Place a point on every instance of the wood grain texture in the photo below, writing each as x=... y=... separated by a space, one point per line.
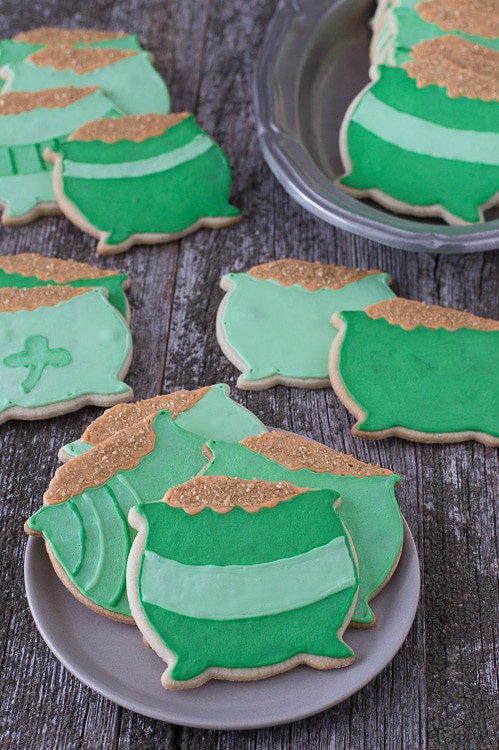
x=439 y=690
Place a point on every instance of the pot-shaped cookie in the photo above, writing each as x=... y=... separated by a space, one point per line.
x=241 y=580
x=142 y=179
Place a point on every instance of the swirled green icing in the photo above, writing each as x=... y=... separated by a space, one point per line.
x=427 y=380
x=177 y=456
x=283 y=533
x=368 y=509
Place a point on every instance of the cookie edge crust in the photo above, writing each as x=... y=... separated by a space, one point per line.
x=398 y=431
x=149 y=238
x=233 y=357
x=222 y=673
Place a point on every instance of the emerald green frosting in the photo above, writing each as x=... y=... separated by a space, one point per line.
x=87 y=327
x=427 y=380
x=132 y=84
x=101 y=513
x=213 y=416
x=431 y=143
x=368 y=510
x=113 y=284
x=161 y=185
x=238 y=538
x=284 y=332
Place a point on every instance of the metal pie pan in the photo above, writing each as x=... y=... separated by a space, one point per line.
x=312 y=64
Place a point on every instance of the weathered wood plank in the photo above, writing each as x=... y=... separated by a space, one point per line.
x=438 y=691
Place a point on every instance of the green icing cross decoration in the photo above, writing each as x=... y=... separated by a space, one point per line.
x=36 y=356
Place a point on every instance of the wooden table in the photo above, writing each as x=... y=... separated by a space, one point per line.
x=439 y=690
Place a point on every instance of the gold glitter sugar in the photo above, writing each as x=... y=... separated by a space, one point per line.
x=80 y=61
x=53 y=36
x=308 y=274
x=409 y=314
x=131 y=128
x=50 y=269
x=122 y=416
x=223 y=493
x=15 y=102
x=12 y=299
x=295 y=453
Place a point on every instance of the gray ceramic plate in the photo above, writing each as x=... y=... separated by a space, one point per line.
x=111 y=658
x=313 y=62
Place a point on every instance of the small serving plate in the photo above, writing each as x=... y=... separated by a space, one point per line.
x=314 y=61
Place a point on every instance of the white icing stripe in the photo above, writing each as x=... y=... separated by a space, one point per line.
x=423 y=137
x=161 y=163
x=212 y=592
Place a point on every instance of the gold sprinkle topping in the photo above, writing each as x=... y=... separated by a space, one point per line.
x=12 y=300
x=223 y=493
x=123 y=416
x=131 y=128
x=409 y=314
x=80 y=61
x=480 y=17
x=295 y=453
x=464 y=69
x=122 y=451
x=50 y=269
x=309 y=274
x=53 y=36
x=16 y=102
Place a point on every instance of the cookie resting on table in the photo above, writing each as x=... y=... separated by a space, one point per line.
x=96 y=490
x=241 y=580
x=127 y=76
x=422 y=372
x=61 y=348
x=208 y=412
x=29 y=121
x=26 y=270
x=24 y=44
x=368 y=508
x=274 y=322
x=163 y=175
x=423 y=139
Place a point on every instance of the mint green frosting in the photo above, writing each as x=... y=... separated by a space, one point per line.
x=98 y=516
x=214 y=416
x=25 y=178
x=368 y=509
x=262 y=590
x=20 y=194
x=285 y=332
x=44 y=124
x=132 y=84
x=86 y=326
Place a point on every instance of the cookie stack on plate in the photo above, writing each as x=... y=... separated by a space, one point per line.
x=65 y=340
x=92 y=103
x=423 y=137
x=238 y=552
